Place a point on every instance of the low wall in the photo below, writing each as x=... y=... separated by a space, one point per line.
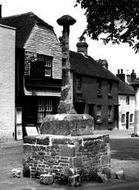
x=85 y=155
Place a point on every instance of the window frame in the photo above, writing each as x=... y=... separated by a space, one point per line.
x=123 y=117
x=131 y=118
x=78 y=84
x=99 y=114
x=99 y=87
x=44 y=107
x=110 y=113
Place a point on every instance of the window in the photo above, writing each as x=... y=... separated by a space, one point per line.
x=48 y=66
x=131 y=117
x=99 y=87
x=127 y=100
x=42 y=67
x=99 y=114
x=109 y=88
x=109 y=113
x=78 y=84
x=44 y=107
x=123 y=118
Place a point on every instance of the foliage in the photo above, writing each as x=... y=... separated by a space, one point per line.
x=117 y=20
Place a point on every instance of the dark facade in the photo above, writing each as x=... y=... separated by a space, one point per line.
x=95 y=91
x=38 y=68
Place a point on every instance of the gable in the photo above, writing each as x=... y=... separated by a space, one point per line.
x=43 y=40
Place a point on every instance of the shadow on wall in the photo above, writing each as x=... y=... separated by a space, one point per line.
x=125 y=149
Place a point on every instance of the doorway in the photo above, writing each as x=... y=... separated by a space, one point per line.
x=127 y=120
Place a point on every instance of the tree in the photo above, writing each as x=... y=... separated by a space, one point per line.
x=117 y=20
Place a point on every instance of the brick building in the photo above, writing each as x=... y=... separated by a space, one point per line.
x=126 y=100
x=7 y=81
x=95 y=88
x=38 y=69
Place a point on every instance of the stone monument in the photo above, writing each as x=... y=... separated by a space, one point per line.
x=67 y=143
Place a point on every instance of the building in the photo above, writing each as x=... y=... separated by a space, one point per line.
x=38 y=69
x=7 y=81
x=95 y=89
x=126 y=100
x=135 y=85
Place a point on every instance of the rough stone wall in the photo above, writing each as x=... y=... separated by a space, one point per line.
x=85 y=155
x=44 y=41
x=7 y=81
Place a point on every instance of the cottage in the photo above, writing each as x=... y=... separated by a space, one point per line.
x=95 y=89
x=38 y=69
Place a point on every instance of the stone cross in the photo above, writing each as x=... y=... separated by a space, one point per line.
x=66 y=101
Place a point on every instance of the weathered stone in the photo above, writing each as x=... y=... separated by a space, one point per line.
x=46 y=179
x=79 y=153
x=17 y=172
x=30 y=139
x=68 y=124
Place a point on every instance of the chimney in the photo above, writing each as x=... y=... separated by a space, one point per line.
x=121 y=75
x=0 y=11
x=133 y=76
x=103 y=63
x=82 y=46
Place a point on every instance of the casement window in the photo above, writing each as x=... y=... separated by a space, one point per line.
x=48 y=66
x=109 y=88
x=44 y=107
x=131 y=118
x=42 y=67
x=99 y=87
x=78 y=84
x=109 y=113
x=127 y=100
x=123 y=118
x=99 y=114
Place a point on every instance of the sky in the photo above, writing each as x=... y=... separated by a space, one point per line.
x=118 y=56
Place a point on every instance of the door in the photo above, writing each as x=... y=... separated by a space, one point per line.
x=127 y=120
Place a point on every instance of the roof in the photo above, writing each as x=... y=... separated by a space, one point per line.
x=86 y=65
x=125 y=89
x=23 y=24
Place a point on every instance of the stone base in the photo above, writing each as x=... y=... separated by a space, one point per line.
x=85 y=155
x=68 y=124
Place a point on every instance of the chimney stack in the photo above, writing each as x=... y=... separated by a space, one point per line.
x=133 y=76
x=0 y=11
x=82 y=46
x=121 y=75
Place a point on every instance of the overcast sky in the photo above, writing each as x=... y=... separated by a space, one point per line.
x=118 y=56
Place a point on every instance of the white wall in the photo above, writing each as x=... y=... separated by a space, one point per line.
x=7 y=82
x=124 y=107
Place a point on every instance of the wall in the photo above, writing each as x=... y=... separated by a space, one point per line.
x=44 y=41
x=84 y=155
x=89 y=94
x=7 y=81
x=124 y=108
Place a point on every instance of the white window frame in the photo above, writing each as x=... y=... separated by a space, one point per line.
x=44 y=107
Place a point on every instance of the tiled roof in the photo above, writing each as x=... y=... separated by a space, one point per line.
x=125 y=89
x=23 y=24
x=86 y=65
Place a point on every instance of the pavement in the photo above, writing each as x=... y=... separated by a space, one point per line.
x=124 y=154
